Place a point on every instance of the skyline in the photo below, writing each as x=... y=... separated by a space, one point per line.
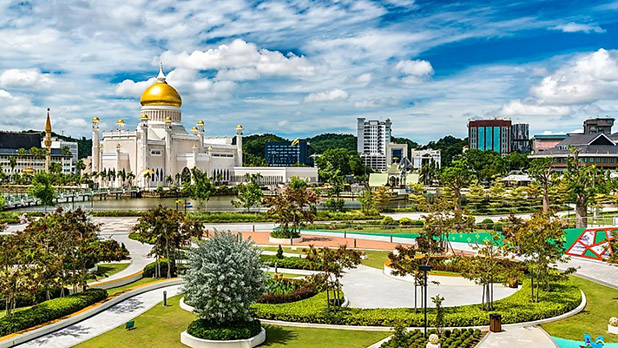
x=305 y=67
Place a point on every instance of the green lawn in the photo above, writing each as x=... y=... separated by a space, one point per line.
x=602 y=304
x=161 y=327
x=376 y=258
x=106 y=270
x=286 y=275
x=113 y=291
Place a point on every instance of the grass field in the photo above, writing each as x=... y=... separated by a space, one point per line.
x=113 y=291
x=602 y=304
x=107 y=269
x=161 y=327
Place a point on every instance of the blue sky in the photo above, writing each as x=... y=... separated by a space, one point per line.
x=299 y=68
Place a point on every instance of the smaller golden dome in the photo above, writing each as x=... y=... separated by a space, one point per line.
x=144 y=117
x=118 y=145
x=168 y=119
x=120 y=121
x=194 y=129
x=200 y=123
x=239 y=127
x=95 y=120
x=195 y=146
x=388 y=119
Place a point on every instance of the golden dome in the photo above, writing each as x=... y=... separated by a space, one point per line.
x=194 y=129
x=144 y=117
x=160 y=93
x=120 y=121
x=168 y=119
x=239 y=127
x=200 y=123
x=95 y=119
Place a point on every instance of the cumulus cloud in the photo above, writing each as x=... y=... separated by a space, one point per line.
x=531 y=107
x=24 y=78
x=244 y=60
x=375 y=103
x=131 y=88
x=414 y=71
x=578 y=27
x=585 y=79
x=364 y=78
x=325 y=96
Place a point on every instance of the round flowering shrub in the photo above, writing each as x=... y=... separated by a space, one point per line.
x=613 y=321
x=223 y=279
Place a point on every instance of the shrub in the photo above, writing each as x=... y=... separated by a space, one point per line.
x=224 y=277
x=290 y=262
x=138 y=237
x=210 y=330
x=405 y=221
x=296 y=295
x=418 y=223
x=279 y=233
x=279 y=252
x=49 y=310
x=387 y=221
x=149 y=269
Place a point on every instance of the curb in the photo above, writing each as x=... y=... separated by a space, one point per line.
x=60 y=323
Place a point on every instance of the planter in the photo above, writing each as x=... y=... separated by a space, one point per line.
x=284 y=241
x=185 y=306
x=195 y=342
x=612 y=329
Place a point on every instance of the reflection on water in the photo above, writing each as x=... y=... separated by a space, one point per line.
x=216 y=203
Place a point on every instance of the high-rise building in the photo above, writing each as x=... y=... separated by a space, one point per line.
x=492 y=135
x=374 y=138
x=520 y=138
x=283 y=154
x=598 y=125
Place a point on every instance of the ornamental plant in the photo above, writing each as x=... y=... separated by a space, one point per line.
x=224 y=277
x=613 y=321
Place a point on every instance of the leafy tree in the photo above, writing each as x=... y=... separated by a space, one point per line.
x=201 y=188
x=12 y=164
x=169 y=231
x=540 y=243
x=323 y=142
x=450 y=148
x=497 y=193
x=335 y=162
x=55 y=168
x=366 y=201
x=224 y=278
x=485 y=165
x=455 y=178
x=516 y=161
x=476 y=195
x=249 y=194
x=428 y=174
x=80 y=166
x=584 y=183
x=540 y=170
x=42 y=188
x=292 y=209
x=382 y=196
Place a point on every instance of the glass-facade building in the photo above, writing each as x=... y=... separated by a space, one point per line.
x=283 y=154
x=494 y=135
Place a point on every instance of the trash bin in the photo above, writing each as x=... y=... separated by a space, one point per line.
x=495 y=322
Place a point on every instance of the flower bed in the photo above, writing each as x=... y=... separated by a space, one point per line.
x=513 y=309
x=49 y=310
x=208 y=330
x=466 y=338
x=281 y=290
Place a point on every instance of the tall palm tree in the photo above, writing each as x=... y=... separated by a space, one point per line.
x=130 y=177
x=169 y=180
x=12 y=164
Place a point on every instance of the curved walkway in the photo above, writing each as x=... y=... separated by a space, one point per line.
x=368 y=287
x=102 y=322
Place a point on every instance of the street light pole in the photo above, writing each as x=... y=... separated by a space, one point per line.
x=425 y=269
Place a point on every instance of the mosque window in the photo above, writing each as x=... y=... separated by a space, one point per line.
x=155 y=152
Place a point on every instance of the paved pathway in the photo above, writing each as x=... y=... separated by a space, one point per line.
x=596 y=271
x=368 y=287
x=519 y=337
x=102 y=322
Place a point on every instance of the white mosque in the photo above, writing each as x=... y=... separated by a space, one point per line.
x=161 y=147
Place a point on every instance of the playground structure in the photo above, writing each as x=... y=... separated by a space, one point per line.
x=592 y=243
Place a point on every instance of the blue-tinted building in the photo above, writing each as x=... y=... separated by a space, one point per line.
x=283 y=154
x=492 y=135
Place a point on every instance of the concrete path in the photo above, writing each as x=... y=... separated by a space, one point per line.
x=102 y=322
x=367 y=287
x=597 y=271
x=520 y=337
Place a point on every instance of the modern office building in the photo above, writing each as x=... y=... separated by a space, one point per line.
x=396 y=152
x=520 y=138
x=492 y=135
x=598 y=125
x=544 y=142
x=374 y=144
x=425 y=157
x=284 y=154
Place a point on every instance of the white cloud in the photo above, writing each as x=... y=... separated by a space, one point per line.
x=578 y=27
x=364 y=78
x=332 y=95
x=375 y=103
x=415 y=67
x=246 y=61
x=530 y=107
x=24 y=78
x=131 y=88
x=548 y=132
x=585 y=79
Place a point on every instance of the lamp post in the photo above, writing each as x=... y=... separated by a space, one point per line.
x=425 y=269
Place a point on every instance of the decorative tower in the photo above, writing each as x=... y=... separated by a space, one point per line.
x=48 y=142
x=170 y=157
x=200 y=133
x=239 y=146
x=96 y=159
x=142 y=163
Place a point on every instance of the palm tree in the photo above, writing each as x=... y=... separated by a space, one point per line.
x=123 y=176
x=169 y=180
x=178 y=176
x=79 y=165
x=130 y=177
x=12 y=164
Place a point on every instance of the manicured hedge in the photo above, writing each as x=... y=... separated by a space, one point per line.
x=290 y=262
x=296 y=295
x=207 y=330
x=514 y=309
x=466 y=338
x=138 y=237
x=50 y=310
x=149 y=269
